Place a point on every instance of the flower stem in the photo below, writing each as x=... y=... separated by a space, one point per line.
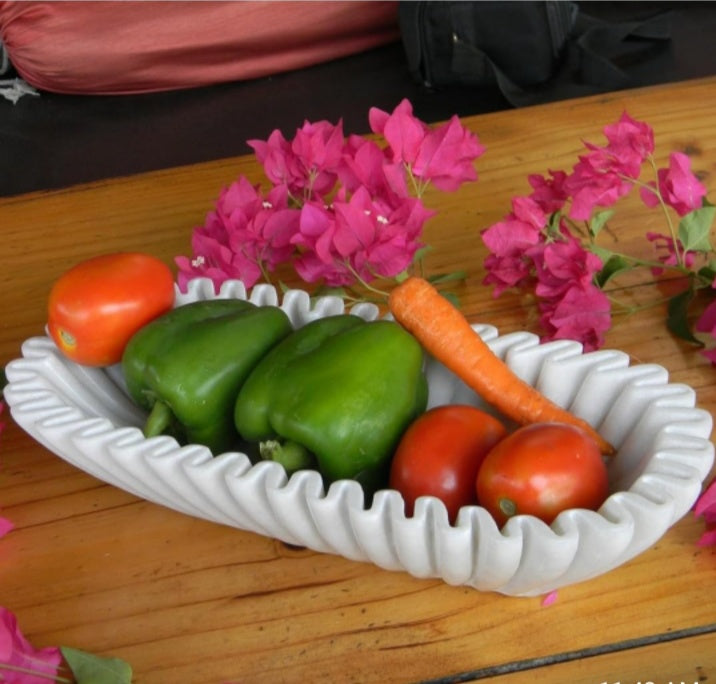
x=629 y=310
x=35 y=673
x=650 y=263
x=672 y=231
x=264 y=273
x=418 y=187
x=381 y=293
x=655 y=190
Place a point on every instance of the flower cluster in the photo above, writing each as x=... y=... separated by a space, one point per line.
x=22 y=663
x=19 y=660
x=540 y=245
x=341 y=210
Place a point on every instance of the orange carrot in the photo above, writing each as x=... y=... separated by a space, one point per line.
x=446 y=334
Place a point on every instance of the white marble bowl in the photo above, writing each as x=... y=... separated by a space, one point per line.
x=664 y=454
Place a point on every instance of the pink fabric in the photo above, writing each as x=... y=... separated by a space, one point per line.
x=145 y=46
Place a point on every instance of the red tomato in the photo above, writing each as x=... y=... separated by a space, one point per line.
x=96 y=306
x=541 y=470
x=440 y=454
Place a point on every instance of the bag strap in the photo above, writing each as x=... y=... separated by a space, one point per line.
x=588 y=63
x=599 y=43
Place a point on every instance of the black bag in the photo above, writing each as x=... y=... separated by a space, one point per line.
x=533 y=51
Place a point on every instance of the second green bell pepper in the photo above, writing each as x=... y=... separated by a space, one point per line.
x=340 y=389
x=187 y=366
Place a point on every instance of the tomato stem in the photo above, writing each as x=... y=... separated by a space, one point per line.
x=508 y=506
x=68 y=339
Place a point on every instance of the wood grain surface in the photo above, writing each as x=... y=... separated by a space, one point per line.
x=184 y=600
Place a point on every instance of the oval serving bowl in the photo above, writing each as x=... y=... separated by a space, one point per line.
x=664 y=453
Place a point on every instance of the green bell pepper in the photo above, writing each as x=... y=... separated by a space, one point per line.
x=339 y=390
x=187 y=366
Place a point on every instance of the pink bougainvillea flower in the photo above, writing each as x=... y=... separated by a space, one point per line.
x=562 y=273
x=306 y=165
x=507 y=271
x=518 y=231
x=707 y=324
x=666 y=249
x=604 y=174
x=365 y=164
x=509 y=241
x=319 y=150
x=243 y=235
x=508 y=264
x=571 y=306
x=403 y=131
x=549 y=598
x=280 y=163
x=594 y=183
x=358 y=236
x=563 y=264
x=319 y=145
x=510 y=237
x=205 y=265
x=527 y=210
x=358 y=223
x=398 y=231
x=630 y=143
x=317 y=225
x=261 y=232
x=446 y=157
x=706 y=507
x=583 y=313
x=678 y=186
x=18 y=653
x=549 y=193
x=341 y=209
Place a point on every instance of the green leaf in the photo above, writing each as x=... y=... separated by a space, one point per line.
x=708 y=272
x=420 y=253
x=614 y=264
x=325 y=291
x=553 y=224
x=447 y=277
x=695 y=227
x=599 y=220
x=602 y=252
x=91 y=669
x=452 y=298
x=677 y=320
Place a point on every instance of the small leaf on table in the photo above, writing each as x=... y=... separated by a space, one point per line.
x=88 y=668
x=678 y=320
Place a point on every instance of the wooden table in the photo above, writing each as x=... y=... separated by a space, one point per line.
x=183 y=600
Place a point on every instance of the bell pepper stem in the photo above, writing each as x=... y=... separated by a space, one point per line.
x=291 y=455
x=159 y=420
